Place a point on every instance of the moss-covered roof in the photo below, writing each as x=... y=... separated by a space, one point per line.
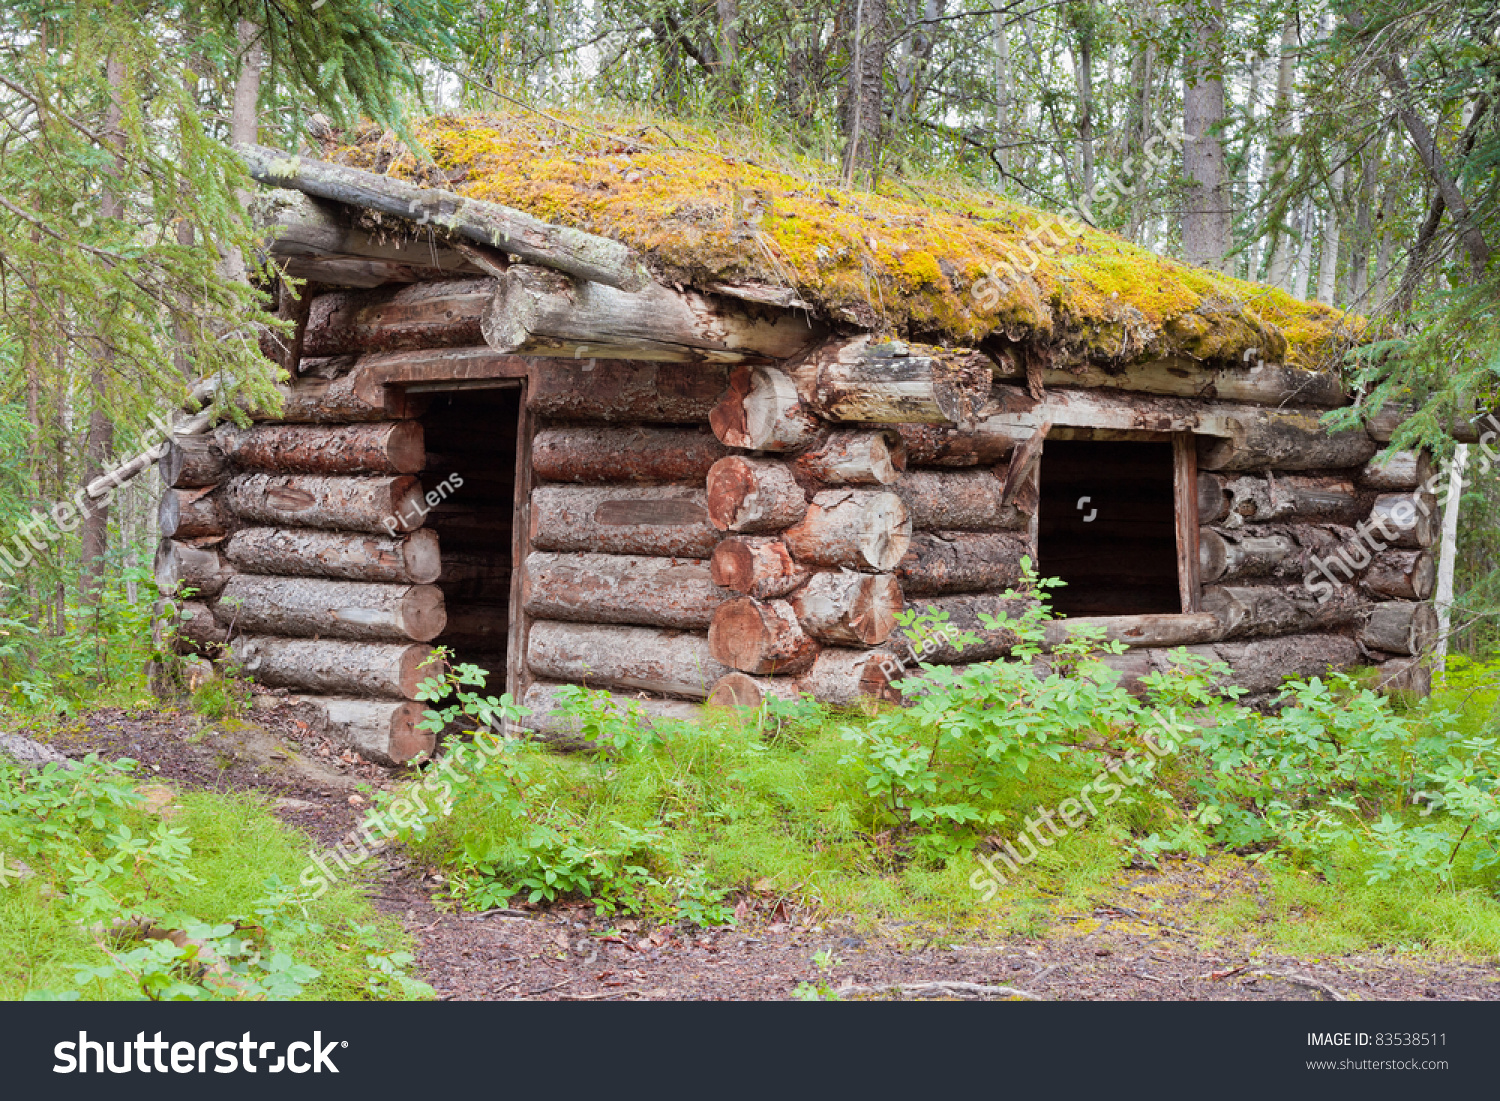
x=709 y=208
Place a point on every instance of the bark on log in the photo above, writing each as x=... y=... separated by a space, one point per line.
x=619 y=588
x=743 y=690
x=1275 y=439
x=845 y=677
x=324 y=667
x=534 y=311
x=1401 y=627
x=852 y=459
x=613 y=390
x=871 y=381
x=1406 y=675
x=359 y=394
x=1245 y=555
x=387 y=505
x=939 y=445
x=753 y=495
x=1248 y=611
x=1403 y=519
x=300 y=607
x=438 y=314
x=1213 y=501
x=851 y=609
x=548 y=721
x=339 y=555
x=1258 y=666
x=762 y=411
x=1262 y=384
x=756 y=636
x=1291 y=497
x=958 y=500
x=392 y=448
x=192 y=513
x=1193 y=629
x=193 y=461
x=859 y=529
x=601 y=456
x=384 y=731
x=1400 y=470
x=196 y=625
x=668 y=520
x=959 y=562
x=201 y=568
x=757 y=566
x=673 y=663
x=1401 y=575
x=963 y=611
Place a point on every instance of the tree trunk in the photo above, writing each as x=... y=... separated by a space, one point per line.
x=383 y=731
x=1261 y=610
x=442 y=313
x=1401 y=627
x=193 y=461
x=853 y=528
x=850 y=609
x=394 y=448
x=201 y=568
x=589 y=455
x=617 y=588
x=192 y=513
x=969 y=500
x=853 y=459
x=388 y=505
x=761 y=411
x=389 y=670
x=756 y=636
x=865 y=88
x=1448 y=556
x=611 y=390
x=757 y=566
x=958 y=562
x=753 y=495
x=656 y=520
x=295 y=552
x=673 y=663
x=1207 y=218
x=1328 y=257
x=1284 y=127
x=887 y=382
x=300 y=607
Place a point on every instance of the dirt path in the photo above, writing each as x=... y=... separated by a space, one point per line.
x=565 y=952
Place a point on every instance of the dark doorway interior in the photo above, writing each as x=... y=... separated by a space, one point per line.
x=1123 y=561
x=471 y=449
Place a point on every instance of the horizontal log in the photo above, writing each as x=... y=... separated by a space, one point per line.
x=873 y=381
x=941 y=562
x=964 y=612
x=536 y=311
x=1383 y=424
x=944 y=445
x=1189 y=629
x=195 y=625
x=1401 y=627
x=390 y=448
x=384 y=731
x=673 y=663
x=758 y=566
x=762 y=411
x=843 y=678
x=1242 y=554
x=386 y=505
x=193 y=461
x=1401 y=575
x=593 y=455
x=1258 y=666
x=1213 y=500
x=858 y=458
x=1399 y=470
x=1278 y=439
x=760 y=636
x=753 y=495
x=958 y=500
x=202 y=569
x=328 y=667
x=742 y=690
x=614 y=390
x=1289 y=497
x=668 y=520
x=621 y=588
x=1407 y=676
x=359 y=394
x=857 y=529
x=1248 y=611
x=304 y=607
x=1261 y=384
x=548 y=719
x=292 y=552
x=436 y=314
x=1405 y=519
x=850 y=609
x=192 y=513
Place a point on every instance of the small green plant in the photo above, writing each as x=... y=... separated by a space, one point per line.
x=821 y=989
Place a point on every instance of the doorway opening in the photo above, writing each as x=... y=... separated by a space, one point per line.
x=1107 y=526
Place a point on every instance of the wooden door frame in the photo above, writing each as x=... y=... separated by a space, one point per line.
x=517 y=677
x=1185 y=511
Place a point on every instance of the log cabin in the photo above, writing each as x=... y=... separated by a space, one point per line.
x=584 y=404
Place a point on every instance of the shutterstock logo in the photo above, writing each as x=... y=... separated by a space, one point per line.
x=160 y=1056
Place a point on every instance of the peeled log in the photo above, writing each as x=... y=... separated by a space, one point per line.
x=743 y=690
x=1261 y=384
x=853 y=459
x=960 y=562
x=963 y=613
x=854 y=528
x=844 y=677
x=667 y=520
x=762 y=411
x=193 y=461
x=1260 y=610
x=753 y=495
x=1223 y=557
x=853 y=609
x=1191 y=629
x=301 y=607
x=385 y=505
x=381 y=730
x=332 y=668
x=590 y=455
x=674 y=663
x=888 y=382
x=757 y=636
x=1401 y=627
x=940 y=445
x=539 y=312
x=1402 y=519
x=758 y=566
x=614 y=390
x=958 y=500
x=1258 y=667
x=202 y=569
x=619 y=588
x=1213 y=501
x=359 y=394
x=1277 y=439
x=1399 y=470
x=546 y=716
x=393 y=448
x=1307 y=497
x=1401 y=575
x=290 y=552
x=436 y=314
x=192 y=513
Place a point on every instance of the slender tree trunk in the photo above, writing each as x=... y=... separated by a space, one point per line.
x=1206 y=217
x=1304 y=251
x=864 y=88
x=1447 y=556
x=1328 y=256
x=1083 y=73
x=1364 y=222
x=1001 y=36
x=1283 y=127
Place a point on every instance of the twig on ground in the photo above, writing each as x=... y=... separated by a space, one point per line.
x=942 y=987
x=1303 y=980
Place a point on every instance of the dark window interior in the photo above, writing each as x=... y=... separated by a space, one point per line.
x=1123 y=561
x=472 y=434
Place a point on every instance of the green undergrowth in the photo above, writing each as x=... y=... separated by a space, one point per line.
x=130 y=889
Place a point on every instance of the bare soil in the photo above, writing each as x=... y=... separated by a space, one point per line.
x=566 y=952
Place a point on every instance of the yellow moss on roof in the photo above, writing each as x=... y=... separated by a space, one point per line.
x=918 y=260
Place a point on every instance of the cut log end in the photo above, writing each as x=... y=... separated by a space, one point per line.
x=760 y=637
